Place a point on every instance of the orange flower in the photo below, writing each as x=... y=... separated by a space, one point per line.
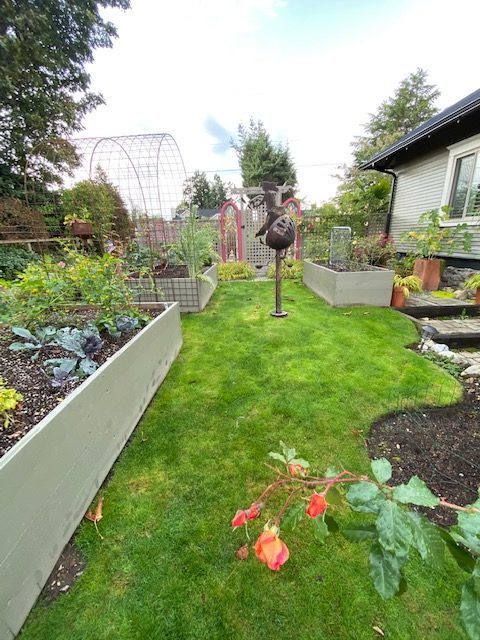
x=271 y=550
x=317 y=506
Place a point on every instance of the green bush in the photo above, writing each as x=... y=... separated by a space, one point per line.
x=195 y=247
x=291 y=270
x=48 y=289
x=376 y=250
x=13 y=260
x=235 y=271
x=316 y=248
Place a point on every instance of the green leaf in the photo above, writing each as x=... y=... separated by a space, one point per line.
x=331 y=523
x=394 y=533
x=24 y=333
x=331 y=472
x=360 y=533
x=470 y=604
x=301 y=462
x=287 y=452
x=467 y=531
x=21 y=346
x=382 y=470
x=426 y=539
x=334 y=497
x=385 y=571
x=293 y=516
x=365 y=497
x=415 y=492
x=277 y=456
x=320 y=530
x=461 y=556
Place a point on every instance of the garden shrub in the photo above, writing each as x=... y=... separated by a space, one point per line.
x=376 y=250
x=18 y=221
x=15 y=259
x=235 y=271
x=316 y=248
x=291 y=270
x=50 y=288
x=195 y=247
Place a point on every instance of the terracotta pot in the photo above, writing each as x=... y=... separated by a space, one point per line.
x=82 y=229
x=429 y=272
x=398 y=297
x=477 y=296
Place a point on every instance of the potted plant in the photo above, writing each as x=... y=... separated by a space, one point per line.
x=436 y=237
x=402 y=287
x=474 y=283
x=81 y=225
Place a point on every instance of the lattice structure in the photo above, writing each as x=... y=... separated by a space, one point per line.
x=241 y=218
x=340 y=245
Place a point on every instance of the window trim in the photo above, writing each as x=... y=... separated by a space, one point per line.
x=457 y=151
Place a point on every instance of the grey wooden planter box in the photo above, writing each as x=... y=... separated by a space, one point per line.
x=49 y=478
x=190 y=293
x=348 y=288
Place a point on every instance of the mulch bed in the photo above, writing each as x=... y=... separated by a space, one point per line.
x=170 y=271
x=68 y=569
x=30 y=379
x=441 y=446
x=347 y=267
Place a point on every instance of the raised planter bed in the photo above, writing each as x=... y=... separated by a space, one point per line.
x=348 y=288
x=49 y=478
x=191 y=294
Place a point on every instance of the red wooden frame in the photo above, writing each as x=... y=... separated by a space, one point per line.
x=238 y=216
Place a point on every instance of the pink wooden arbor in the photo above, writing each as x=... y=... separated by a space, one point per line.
x=237 y=228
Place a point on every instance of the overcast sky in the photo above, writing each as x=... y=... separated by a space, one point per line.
x=312 y=70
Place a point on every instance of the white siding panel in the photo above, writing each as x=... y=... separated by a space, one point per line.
x=420 y=188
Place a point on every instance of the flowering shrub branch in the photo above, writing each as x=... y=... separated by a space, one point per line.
x=395 y=532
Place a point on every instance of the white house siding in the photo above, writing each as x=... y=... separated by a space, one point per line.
x=420 y=186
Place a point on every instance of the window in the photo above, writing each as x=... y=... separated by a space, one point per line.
x=462 y=186
x=465 y=195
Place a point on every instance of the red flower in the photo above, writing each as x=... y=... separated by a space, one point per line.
x=254 y=511
x=243 y=515
x=239 y=519
x=296 y=469
x=271 y=550
x=317 y=506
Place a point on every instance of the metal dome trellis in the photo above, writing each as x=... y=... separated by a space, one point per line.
x=147 y=169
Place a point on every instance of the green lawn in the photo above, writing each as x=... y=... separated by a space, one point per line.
x=243 y=381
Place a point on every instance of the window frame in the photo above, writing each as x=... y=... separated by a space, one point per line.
x=456 y=152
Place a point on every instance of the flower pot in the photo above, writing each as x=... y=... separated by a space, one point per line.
x=477 y=296
x=82 y=229
x=429 y=272
x=398 y=297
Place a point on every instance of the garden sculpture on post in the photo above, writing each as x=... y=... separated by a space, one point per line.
x=279 y=230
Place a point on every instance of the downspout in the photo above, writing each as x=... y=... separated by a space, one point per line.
x=388 y=221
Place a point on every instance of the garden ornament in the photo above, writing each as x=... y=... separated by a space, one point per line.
x=279 y=230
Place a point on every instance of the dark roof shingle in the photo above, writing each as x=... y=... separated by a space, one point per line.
x=443 y=119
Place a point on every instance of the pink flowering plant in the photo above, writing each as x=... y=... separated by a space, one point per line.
x=396 y=533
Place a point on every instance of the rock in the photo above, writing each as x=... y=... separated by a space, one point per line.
x=461 y=294
x=462 y=361
x=472 y=372
x=441 y=349
x=455 y=276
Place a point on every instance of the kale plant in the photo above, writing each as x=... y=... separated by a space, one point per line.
x=84 y=343
x=35 y=341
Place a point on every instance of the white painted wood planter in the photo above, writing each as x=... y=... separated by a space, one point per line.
x=349 y=288
x=192 y=294
x=49 y=478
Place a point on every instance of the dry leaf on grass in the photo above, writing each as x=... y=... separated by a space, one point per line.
x=97 y=515
x=242 y=553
